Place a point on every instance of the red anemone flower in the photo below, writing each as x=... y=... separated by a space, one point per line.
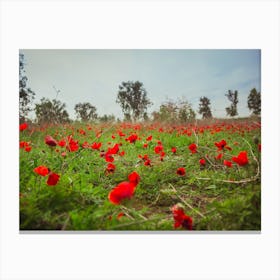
x=220 y=145
x=53 y=179
x=193 y=147
x=219 y=156
x=202 y=161
x=227 y=163
x=158 y=149
x=28 y=148
x=149 y=138
x=50 y=141
x=241 y=159
x=181 y=171
x=42 y=170
x=180 y=218
x=110 y=168
x=124 y=190
x=173 y=150
x=109 y=157
x=23 y=126
x=61 y=143
x=96 y=146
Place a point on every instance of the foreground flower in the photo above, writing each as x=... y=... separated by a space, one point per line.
x=50 y=141
x=23 y=126
x=193 y=148
x=124 y=190
x=180 y=218
x=181 y=171
x=53 y=179
x=110 y=168
x=41 y=170
x=241 y=159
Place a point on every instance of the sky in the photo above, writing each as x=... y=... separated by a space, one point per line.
x=94 y=76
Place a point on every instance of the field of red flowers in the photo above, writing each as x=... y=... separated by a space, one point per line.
x=197 y=176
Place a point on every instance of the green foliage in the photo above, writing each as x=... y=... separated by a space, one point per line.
x=254 y=102
x=80 y=199
x=179 y=111
x=26 y=95
x=51 y=112
x=133 y=100
x=233 y=98
x=204 y=108
x=107 y=118
x=85 y=112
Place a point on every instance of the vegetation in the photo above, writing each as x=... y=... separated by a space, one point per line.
x=26 y=95
x=233 y=98
x=133 y=100
x=254 y=102
x=51 y=111
x=200 y=176
x=204 y=108
x=85 y=112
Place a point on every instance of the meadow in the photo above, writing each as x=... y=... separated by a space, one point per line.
x=146 y=176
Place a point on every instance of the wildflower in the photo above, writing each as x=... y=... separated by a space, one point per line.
x=202 y=161
x=259 y=147
x=23 y=126
x=227 y=163
x=241 y=159
x=181 y=171
x=120 y=215
x=41 y=170
x=28 y=148
x=219 y=156
x=61 y=143
x=109 y=157
x=50 y=141
x=158 y=149
x=180 y=218
x=149 y=138
x=124 y=190
x=110 y=168
x=53 y=179
x=220 y=145
x=173 y=150
x=193 y=148
x=96 y=146
x=132 y=138
x=145 y=145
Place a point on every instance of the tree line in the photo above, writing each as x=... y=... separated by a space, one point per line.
x=134 y=102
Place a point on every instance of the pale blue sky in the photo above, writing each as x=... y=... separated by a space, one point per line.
x=94 y=76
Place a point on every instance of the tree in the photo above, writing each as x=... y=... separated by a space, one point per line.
x=107 y=118
x=204 y=108
x=174 y=112
x=233 y=98
x=133 y=100
x=51 y=111
x=85 y=112
x=254 y=101
x=26 y=95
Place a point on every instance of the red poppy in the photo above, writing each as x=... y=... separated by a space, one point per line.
x=220 y=145
x=134 y=178
x=259 y=147
x=158 y=149
x=114 y=150
x=61 y=143
x=124 y=190
x=202 y=161
x=193 y=148
x=219 y=156
x=53 y=179
x=28 y=148
x=122 y=153
x=23 y=126
x=180 y=218
x=241 y=159
x=23 y=144
x=120 y=215
x=227 y=163
x=110 y=167
x=173 y=150
x=109 y=157
x=149 y=138
x=181 y=171
x=147 y=162
x=145 y=145
x=42 y=170
x=96 y=146
x=50 y=141
x=132 y=138
x=73 y=145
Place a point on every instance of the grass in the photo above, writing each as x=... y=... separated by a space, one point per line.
x=215 y=196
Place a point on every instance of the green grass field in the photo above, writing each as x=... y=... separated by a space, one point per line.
x=214 y=195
